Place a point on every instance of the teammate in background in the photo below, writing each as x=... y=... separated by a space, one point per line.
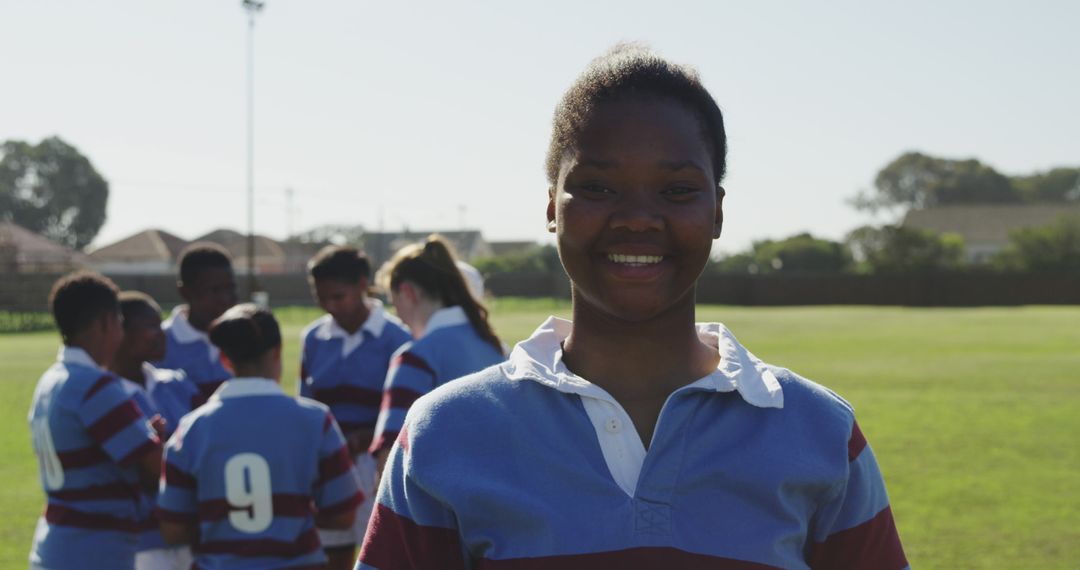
x=473 y=280
x=208 y=287
x=631 y=437
x=250 y=474
x=157 y=392
x=344 y=359
x=451 y=328
x=95 y=449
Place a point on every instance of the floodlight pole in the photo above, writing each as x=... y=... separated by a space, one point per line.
x=252 y=7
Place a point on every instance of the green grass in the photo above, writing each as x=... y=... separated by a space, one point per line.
x=974 y=415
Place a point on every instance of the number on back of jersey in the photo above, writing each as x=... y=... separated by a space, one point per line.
x=248 y=492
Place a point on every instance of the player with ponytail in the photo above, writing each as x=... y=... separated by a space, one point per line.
x=450 y=326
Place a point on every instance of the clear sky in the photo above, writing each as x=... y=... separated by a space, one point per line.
x=434 y=115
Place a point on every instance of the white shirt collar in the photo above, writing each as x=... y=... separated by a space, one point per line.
x=76 y=355
x=374 y=324
x=539 y=358
x=182 y=329
x=446 y=317
x=243 y=387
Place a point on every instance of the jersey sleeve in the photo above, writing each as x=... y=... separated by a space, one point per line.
x=410 y=527
x=338 y=488
x=856 y=528
x=115 y=422
x=409 y=377
x=177 y=496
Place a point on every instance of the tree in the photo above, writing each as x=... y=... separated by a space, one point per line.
x=897 y=249
x=52 y=189
x=918 y=181
x=1056 y=185
x=1049 y=248
x=798 y=253
x=539 y=259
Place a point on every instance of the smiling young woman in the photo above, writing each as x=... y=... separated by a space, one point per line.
x=633 y=437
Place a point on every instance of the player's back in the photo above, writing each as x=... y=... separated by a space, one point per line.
x=87 y=433
x=257 y=463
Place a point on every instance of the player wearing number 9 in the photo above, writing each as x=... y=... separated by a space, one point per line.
x=94 y=447
x=249 y=475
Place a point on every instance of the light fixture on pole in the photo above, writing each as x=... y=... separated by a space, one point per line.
x=252 y=7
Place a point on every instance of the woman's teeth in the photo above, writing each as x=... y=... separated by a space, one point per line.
x=635 y=259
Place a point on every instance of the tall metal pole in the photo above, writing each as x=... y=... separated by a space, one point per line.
x=252 y=7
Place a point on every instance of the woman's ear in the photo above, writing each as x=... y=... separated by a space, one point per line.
x=551 y=227
x=227 y=364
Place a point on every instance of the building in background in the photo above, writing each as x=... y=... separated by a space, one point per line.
x=23 y=251
x=380 y=246
x=986 y=227
x=149 y=252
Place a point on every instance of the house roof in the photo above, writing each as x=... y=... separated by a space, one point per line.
x=987 y=223
x=380 y=246
x=24 y=248
x=147 y=245
x=236 y=243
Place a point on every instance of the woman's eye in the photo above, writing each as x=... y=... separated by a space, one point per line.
x=594 y=188
x=680 y=192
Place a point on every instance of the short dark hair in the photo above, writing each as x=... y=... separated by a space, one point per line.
x=340 y=263
x=199 y=256
x=245 y=332
x=80 y=298
x=626 y=71
x=133 y=303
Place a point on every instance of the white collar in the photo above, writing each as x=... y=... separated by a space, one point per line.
x=182 y=329
x=374 y=324
x=446 y=317
x=76 y=355
x=539 y=358
x=248 y=386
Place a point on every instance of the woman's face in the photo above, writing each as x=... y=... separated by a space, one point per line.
x=636 y=208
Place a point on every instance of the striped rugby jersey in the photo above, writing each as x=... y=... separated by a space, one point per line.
x=449 y=349
x=169 y=394
x=88 y=434
x=519 y=466
x=346 y=372
x=251 y=467
x=190 y=350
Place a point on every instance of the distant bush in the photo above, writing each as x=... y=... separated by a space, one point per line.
x=18 y=322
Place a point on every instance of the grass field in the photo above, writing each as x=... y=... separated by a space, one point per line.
x=974 y=415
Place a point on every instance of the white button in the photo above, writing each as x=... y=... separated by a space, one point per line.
x=612 y=425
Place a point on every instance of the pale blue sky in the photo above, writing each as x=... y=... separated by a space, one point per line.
x=417 y=109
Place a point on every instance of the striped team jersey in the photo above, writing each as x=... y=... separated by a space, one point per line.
x=251 y=467
x=346 y=372
x=449 y=349
x=169 y=394
x=527 y=465
x=190 y=350
x=87 y=434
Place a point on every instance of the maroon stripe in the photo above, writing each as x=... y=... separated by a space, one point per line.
x=857 y=442
x=176 y=516
x=343 y=507
x=329 y=421
x=873 y=544
x=97 y=493
x=101 y=383
x=393 y=541
x=349 y=395
x=177 y=478
x=305 y=544
x=335 y=464
x=85 y=457
x=411 y=359
x=403 y=439
x=114 y=421
x=402 y=398
x=64 y=516
x=285 y=505
x=150 y=523
x=630 y=559
x=150 y=446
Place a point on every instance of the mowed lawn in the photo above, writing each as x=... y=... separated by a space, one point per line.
x=974 y=415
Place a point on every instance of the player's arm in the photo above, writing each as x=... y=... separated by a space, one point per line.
x=337 y=491
x=359 y=440
x=177 y=501
x=856 y=529
x=409 y=377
